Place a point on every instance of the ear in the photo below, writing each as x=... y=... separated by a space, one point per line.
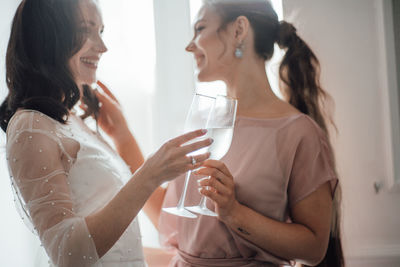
x=242 y=26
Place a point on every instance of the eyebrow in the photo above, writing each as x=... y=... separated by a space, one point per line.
x=197 y=22
x=91 y=23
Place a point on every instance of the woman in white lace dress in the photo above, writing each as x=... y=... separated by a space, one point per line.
x=74 y=190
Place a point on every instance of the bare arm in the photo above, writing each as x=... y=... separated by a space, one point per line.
x=112 y=121
x=129 y=151
x=305 y=240
x=154 y=204
x=107 y=225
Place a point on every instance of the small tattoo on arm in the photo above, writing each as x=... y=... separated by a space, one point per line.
x=243 y=231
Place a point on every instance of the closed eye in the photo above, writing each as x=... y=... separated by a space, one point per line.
x=199 y=29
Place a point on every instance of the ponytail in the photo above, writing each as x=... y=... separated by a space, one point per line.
x=299 y=71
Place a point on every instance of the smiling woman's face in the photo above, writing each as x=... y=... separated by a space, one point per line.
x=212 y=48
x=84 y=63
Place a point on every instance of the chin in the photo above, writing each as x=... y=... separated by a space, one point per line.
x=89 y=80
x=204 y=77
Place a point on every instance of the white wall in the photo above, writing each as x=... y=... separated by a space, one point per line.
x=347 y=38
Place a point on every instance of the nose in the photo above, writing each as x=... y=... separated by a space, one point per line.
x=100 y=46
x=190 y=46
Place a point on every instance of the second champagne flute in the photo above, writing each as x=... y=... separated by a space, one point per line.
x=197 y=118
x=220 y=128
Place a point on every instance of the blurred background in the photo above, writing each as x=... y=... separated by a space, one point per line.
x=154 y=78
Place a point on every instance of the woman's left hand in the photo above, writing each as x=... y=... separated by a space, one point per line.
x=221 y=188
x=111 y=118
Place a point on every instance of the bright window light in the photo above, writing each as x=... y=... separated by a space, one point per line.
x=128 y=68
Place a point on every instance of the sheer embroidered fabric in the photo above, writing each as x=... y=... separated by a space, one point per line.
x=60 y=174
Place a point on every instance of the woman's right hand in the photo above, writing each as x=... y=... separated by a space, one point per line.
x=171 y=159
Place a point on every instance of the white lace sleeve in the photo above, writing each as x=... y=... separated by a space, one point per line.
x=38 y=165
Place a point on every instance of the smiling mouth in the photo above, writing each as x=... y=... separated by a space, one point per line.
x=90 y=63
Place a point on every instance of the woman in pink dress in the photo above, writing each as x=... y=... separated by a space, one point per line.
x=274 y=191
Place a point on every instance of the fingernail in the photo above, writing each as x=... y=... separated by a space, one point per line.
x=204 y=130
x=211 y=140
x=198 y=181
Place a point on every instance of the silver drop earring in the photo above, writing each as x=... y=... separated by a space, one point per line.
x=239 y=51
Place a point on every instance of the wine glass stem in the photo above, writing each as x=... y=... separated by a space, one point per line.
x=181 y=203
x=203 y=200
x=203 y=203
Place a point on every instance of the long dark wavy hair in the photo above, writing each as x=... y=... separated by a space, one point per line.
x=299 y=72
x=44 y=36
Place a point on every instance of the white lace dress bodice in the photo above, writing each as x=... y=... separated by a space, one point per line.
x=61 y=173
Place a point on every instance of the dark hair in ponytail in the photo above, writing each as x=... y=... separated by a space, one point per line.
x=299 y=71
x=44 y=36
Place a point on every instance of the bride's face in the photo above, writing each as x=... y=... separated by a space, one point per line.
x=84 y=63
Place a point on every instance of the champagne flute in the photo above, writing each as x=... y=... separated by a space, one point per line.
x=220 y=127
x=197 y=118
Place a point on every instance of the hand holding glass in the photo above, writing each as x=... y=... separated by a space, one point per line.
x=197 y=118
x=220 y=128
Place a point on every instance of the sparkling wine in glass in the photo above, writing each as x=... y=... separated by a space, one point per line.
x=220 y=128
x=197 y=118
